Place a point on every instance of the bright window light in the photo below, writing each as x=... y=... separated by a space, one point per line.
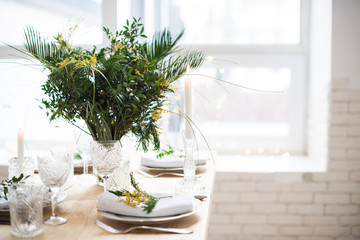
x=51 y=18
x=226 y=22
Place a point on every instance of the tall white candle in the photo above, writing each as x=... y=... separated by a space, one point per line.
x=188 y=105
x=20 y=148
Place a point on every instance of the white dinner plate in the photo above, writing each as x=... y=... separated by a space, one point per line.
x=161 y=169
x=150 y=220
x=164 y=169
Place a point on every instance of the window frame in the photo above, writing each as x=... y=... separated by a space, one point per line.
x=294 y=55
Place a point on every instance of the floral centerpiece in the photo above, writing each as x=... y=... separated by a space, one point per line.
x=115 y=90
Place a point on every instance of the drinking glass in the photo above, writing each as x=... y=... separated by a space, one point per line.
x=54 y=169
x=106 y=157
x=26 y=210
x=82 y=142
x=83 y=149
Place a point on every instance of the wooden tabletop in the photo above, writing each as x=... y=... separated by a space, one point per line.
x=79 y=208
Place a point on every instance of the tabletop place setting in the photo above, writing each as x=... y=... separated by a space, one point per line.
x=24 y=199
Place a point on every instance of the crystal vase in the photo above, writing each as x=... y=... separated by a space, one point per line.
x=110 y=164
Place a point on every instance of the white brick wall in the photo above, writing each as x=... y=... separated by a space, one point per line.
x=311 y=205
x=297 y=206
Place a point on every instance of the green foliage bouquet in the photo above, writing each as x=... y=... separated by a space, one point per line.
x=116 y=90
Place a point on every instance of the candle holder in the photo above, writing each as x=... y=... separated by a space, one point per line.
x=189 y=184
x=25 y=167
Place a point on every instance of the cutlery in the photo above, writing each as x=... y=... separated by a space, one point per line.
x=200 y=197
x=159 y=174
x=118 y=231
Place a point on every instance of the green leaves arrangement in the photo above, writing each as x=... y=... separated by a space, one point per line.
x=163 y=152
x=116 y=89
x=138 y=197
x=5 y=184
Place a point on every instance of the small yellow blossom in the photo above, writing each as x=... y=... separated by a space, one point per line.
x=138 y=73
x=167 y=85
x=157 y=113
x=119 y=46
x=134 y=198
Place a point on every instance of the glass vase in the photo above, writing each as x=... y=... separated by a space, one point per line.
x=110 y=164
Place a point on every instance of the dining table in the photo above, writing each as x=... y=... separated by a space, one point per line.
x=79 y=208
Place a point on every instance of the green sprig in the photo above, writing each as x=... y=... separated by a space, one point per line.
x=138 y=197
x=12 y=183
x=163 y=152
x=167 y=152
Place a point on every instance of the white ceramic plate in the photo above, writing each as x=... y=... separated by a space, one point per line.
x=161 y=169
x=166 y=169
x=150 y=220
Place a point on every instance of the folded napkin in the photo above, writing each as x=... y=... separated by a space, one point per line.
x=177 y=204
x=150 y=160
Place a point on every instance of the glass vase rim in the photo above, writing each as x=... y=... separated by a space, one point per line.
x=106 y=141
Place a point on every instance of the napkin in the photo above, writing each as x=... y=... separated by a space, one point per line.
x=177 y=204
x=150 y=160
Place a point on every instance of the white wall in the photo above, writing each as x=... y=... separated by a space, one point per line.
x=346 y=37
x=307 y=205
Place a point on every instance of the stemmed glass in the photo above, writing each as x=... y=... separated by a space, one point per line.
x=106 y=157
x=83 y=149
x=54 y=169
x=82 y=142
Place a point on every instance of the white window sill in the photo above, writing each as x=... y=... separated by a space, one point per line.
x=268 y=164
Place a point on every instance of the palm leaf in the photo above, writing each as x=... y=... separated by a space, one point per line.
x=161 y=45
x=38 y=46
x=176 y=67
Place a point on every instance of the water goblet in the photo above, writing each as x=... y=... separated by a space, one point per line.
x=106 y=157
x=54 y=169
x=83 y=149
x=82 y=142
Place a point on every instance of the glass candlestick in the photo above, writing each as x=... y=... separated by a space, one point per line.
x=189 y=184
x=26 y=167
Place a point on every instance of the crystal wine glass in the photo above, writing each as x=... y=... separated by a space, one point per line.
x=54 y=169
x=82 y=142
x=106 y=157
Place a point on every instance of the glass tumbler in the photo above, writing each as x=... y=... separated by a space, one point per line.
x=26 y=210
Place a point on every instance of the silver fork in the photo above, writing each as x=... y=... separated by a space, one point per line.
x=159 y=174
x=117 y=231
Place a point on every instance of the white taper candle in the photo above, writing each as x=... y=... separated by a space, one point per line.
x=20 y=148
x=188 y=105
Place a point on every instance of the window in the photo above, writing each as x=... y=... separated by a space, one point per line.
x=20 y=80
x=50 y=18
x=258 y=44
